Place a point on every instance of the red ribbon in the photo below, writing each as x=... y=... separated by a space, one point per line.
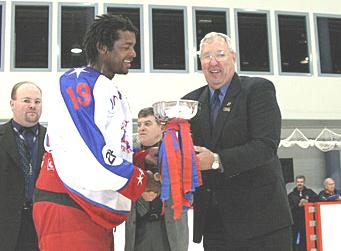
x=181 y=159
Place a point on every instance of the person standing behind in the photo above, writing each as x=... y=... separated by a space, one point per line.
x=88 y=180
x=297 y=198
x=146 y=227
x=243 y=203
x=21 y=151
x=330 y=193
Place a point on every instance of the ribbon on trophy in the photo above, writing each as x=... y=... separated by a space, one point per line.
x=179 y=166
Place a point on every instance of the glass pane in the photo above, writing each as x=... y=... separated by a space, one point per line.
x=75 y=21
x=168 y=39
x=31 y=36
x=208 y=21
x=253 y=42
x=1 y=36
x=293 y=43
x=134 y=15
x=329 y=34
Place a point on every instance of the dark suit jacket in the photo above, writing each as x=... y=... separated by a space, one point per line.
x=294 y=198
x=251 y=193
x=12 y=185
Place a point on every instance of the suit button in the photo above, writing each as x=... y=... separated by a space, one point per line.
x=208 y=190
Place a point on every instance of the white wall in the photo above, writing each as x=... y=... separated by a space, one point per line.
x=303 y=97
x=309 y=162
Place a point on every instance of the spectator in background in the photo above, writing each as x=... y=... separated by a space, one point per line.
x=329 y=193
x=146 y=227
x=21 y=151
x=297 y=198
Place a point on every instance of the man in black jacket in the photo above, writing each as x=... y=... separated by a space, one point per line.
x=243 y=203
x=297 y=198
x=21 y=151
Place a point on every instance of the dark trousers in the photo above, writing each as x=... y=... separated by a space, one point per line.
x=299 y=238
x=214 y=238
x=27 y=240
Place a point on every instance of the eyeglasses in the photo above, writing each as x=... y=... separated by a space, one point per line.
x=218 y=56
x=30 y=101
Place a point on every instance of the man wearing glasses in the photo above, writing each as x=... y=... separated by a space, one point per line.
x=242 y=204
x=21 y=151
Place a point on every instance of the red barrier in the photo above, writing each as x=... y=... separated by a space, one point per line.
x=310 y=225
x=323 y=226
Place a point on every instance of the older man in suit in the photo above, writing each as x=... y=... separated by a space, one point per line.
x=21 y=151
x=242 y=204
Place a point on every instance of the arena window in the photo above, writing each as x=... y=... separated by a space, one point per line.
x=168 y=39
x=208 y=20
x=294 y=43
x=134 y=13
x=31 y=39
x=253 y=41
x=2 y=8
x=74 y=21
x=329 y=43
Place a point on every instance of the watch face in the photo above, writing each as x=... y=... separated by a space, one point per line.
x=215 y=165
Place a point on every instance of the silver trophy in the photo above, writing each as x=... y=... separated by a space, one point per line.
x=177 y=163
x=181 y=109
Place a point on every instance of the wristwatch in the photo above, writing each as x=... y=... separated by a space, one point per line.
x=216 y=162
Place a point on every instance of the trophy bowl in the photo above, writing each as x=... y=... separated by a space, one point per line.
x=183 y=109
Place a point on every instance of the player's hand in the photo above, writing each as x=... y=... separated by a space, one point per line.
x=152 y=185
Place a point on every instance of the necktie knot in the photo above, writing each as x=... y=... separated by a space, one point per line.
x=27 y=132
x=215 y=97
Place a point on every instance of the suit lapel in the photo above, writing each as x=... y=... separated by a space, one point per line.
x=9 y=142
x=226 y=108
x=204 y=116
x=41 y=150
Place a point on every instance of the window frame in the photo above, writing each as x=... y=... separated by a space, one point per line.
x=268 y=23
x=309 y=45
x=318 y=59
x=150 y=24
x=59 y=35
x=49 y=48
x=141 y=29
x=2 y=36
x=228 y=28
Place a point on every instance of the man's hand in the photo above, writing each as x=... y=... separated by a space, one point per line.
x=302 y=201
x=205 y=157
x=149 y=196
x=153 y=185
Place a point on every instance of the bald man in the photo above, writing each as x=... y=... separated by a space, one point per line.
x=21 y=151
x=330 y=193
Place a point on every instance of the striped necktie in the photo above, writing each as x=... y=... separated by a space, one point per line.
x=215 y=105
x=24 y=143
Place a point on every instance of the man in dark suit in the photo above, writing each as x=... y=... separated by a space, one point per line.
x=242 y=204
x=21 y=151
x=297 y=198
